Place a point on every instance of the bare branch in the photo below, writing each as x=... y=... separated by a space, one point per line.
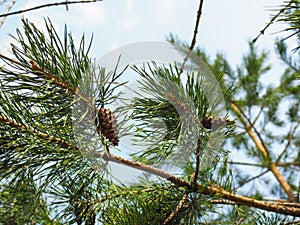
x=196 y=174
x=7 y=11
x=253 y=178
x=177 y=210
x=281 y=164
x=264 y=150
x=199 y=12
x=258 y=115
x=290 y=138
x=46 y=5
x=262 y=32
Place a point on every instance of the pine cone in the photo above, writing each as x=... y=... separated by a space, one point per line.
x=213 y=122
x=106 y=123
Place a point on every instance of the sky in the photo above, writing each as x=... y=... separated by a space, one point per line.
x=225 y=26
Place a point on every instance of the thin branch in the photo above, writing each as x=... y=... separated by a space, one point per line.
x=281 y=164
x=293 y=222
x=247 y=164
x=258 y=114
x=199 y=12
x=7 y=11
x=222 y=202
x=290 y=138
x=196 y=174
x=265 y=151
x=286 y=164
x=46 y=5
x=253 y=178
x=209 y=190
x=262 y=32
x=177 y=210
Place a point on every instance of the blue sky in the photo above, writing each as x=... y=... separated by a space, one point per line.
x=225 y=26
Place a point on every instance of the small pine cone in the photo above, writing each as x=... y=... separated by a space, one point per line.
x=213 y=122
x=106 y=123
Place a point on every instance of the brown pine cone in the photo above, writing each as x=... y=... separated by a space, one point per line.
x=106 y=123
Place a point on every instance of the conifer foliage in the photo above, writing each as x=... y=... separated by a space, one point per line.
x=47 y=167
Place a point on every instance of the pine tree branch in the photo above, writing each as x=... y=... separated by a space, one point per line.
x=30 y=130
x=261 y=147
x=284 y=202
x=222 y=202
x=199 y=13
x=177 y=210
x=281 y=164
x=48 y=76
x=7 y=11
x=208 y=190
x=262 y=32
x=46 y=5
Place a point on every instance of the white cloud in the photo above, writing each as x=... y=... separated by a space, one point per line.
x=165 y=11
x=78 y=15
x=129 y=5
x=88 y=15
x=128 y=23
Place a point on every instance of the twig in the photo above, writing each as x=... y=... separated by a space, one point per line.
x=46 y=5
x=222 y=202
x=196 y=174
x=177 y=210
x=265 y=152
x=262 y=32
x=258 y=114
x=199 y=12
x=247 y=164
x=253 y=178
x=291 y=135
x=7 y=11
x=282 y=164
